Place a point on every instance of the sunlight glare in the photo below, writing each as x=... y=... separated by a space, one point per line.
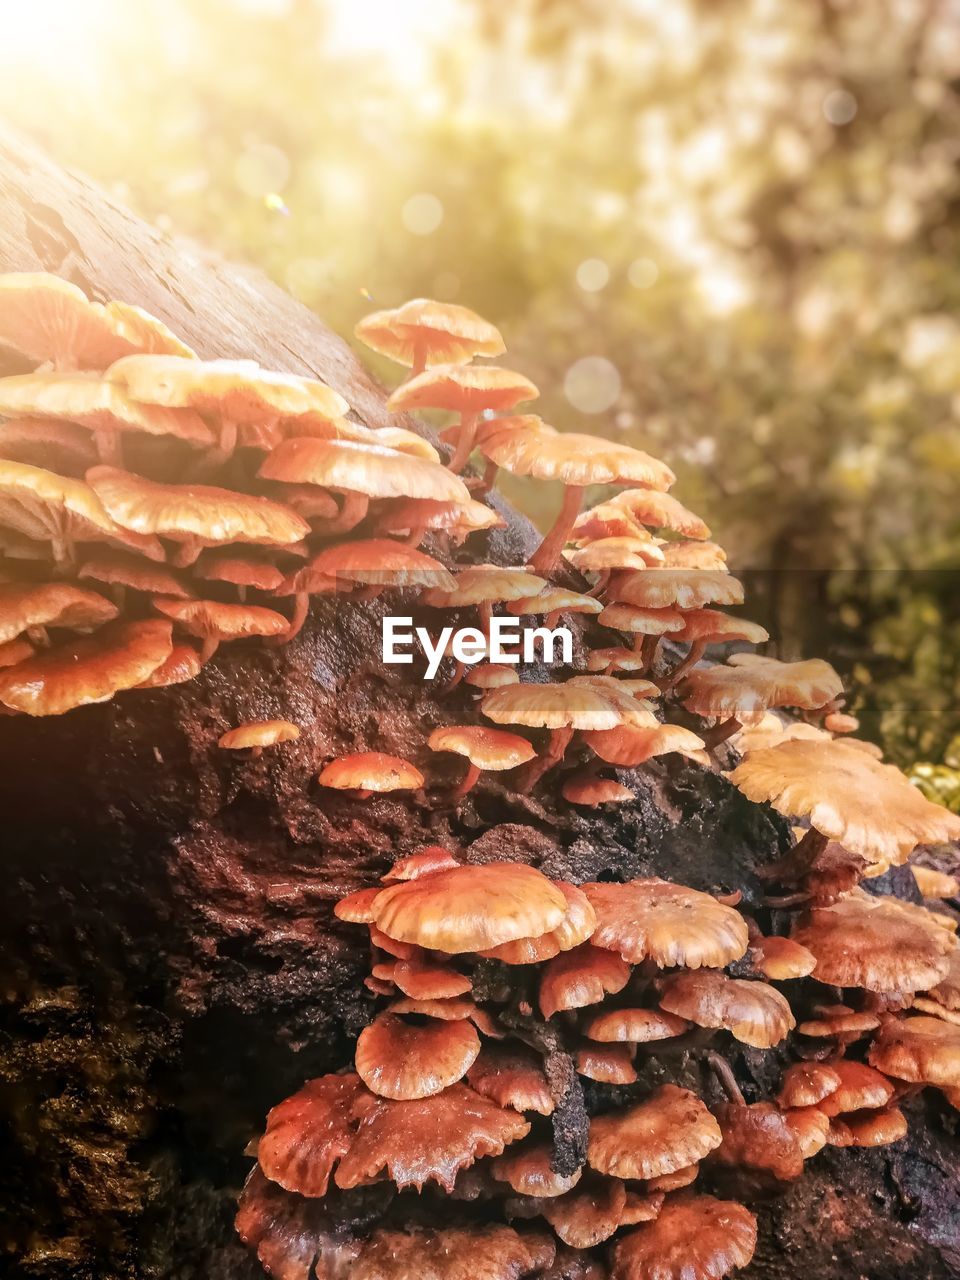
x=401 y=35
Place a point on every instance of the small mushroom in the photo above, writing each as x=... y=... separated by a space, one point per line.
x=485 y=585
x=607 y=1064
x=415 y=516
x=254 y=735
x=580 y=977
x=590 y=791
x=214 y=622
x=242 y=571
x=553 y=602
x=753 y=1013
x=403 y=1060
x=32 y=607
x=370 y=771
x=668 y=923
x=742 y=691
x=694 y=1238
x=512 y=1076
x=670 y=1130
x=485 y=750
x=422 y=333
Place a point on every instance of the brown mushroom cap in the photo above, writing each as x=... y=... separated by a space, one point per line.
x=630 y=745
x=458 y=518
x=590 y=791
x=935 y=884
x=660 y=511
x=529 y=1172
x=684 y=1177
x=672 y=1129
x=781 y=959
x=615 y=553
x=576 y=926
x=309 y=1132
x=947 y=990
x=589 y=1214
x=463 y=388
x=488 y=749
x=369 y=469
x=62 y=447
x=241 y=570
x=370 y=771
x=379 y=561
x=287 y=1232
x=186 y=512
x=694 y=1238
x=744 y=691
x=752 y=1012
x=423 y=863
x=868 y=1128
x=491 y=675
x=430 y=1139
x=608 y=1064
x=868 y=807
x=919 y=1049
x=633 y=1026
x=876 y=943
x=553 y=706
x=423 y=979
x=694 y=555
x=554 y=600
x=357 y=907
x=838 y=1020
x=118 y=657
x=526 y=446
x=448 y=333
x=512 y=1076
x=120 y=568
x=805 y=1084
x=183 y=664
x=581 y=977
x=811 y=1127
x=50 y=604
x=258 y=733
x=713 y=626
x=402 y=1060
x=14 y=651
x=675 y=588
x=647 y=622
x=215 y=620
x=451 y=1253
x=471 y=908
x=486 y=584
x=757 y=1136
x=666 y=922
x=860 y=1087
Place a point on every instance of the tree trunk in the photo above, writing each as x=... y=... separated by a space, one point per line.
x=172 y=967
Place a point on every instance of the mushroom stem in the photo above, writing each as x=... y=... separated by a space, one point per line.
x=485 y=613
x=544 y=559
x=459 y=671
x=469 y=781
x=256 y=752
x=792 y=868
x=551 y=620
x=488 y=480
x=719 y=734
x=186 y=553
x=416 y=535
x=39 y=636
x=209 y=647
x=600 y=585
x=419 y=356
x=354 y=510
x=301 y=607
x=673 y=678
x=548 y=759
x=649 y=647
x=724 y=1072
x=108 y=447
x=466 y=439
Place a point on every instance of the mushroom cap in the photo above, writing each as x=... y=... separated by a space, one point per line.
x=633 y=1026
x=868 y=1128
x=120 y=568
x=607 y=1064
x=694 y=1238
x=512 y=1076
x=630 y=745
x=753 y=1012
x=425 y=980
x=758 y=1136
x=429 y=1139
x=402 y=1060
x=745 y=690
x=450 y=334
x=234 y=390
x=118 y=657
x=811 y=1127
x=310 y=1131
x=655 y=588
x=839 y=1020
x=919 y=1049
x=491 y=675
x=183 y=664
x=606 y=520
x=575 y=927
x=43 y=505
x=145 y=334
x=473 y=1252
x=258 y=733
x=554 y=600
x=459 y=518
x=64 y=447
x=243 y=571
x=695 y=555
x=214 y=620
x=357 y=907
x=488 y=749
x=647 y=622
x=185 y=511
x=805 y=1084
x=671 y=1129
x=660 y=511
x=615 y=553
x=935 y=884
x=422 y=863
x=447 y=1009
x=529 y=1172
x=598 y=660
x=579 y=977
x=379 y=561
x=947 y=990
x=288 y=1232
x=713 y=626
x=880 y=944
x=781 y=959
x=486 y=583
x=668 y=923
x=590 y=791
x=552 y=706
x=14 y=651
x=371 y=469
x=97 y=404
x=471 y=908
x=589 y=1214
x=771 y=730
x=370 y=771
x=860 y=1086
x=868 y=807
x=684 y=1177
x=527 y=446
x=50 y=604
x=463 y=388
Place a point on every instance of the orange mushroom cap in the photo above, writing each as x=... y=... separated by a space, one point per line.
x=936 y=884
x=258 y=733
x=373 y=470
x=860 y=1087
x=714 y=626
x=805 y=1084
x=486 y=583
x=606 y=520
x=671 y=1129
x=243 y=571
x=402 y=1060
x=448 y=333
x=423 y=980
x=528 y=1170
x=357 y=907
x=660 y=511
x=183 y=664
x=745 y=690
x=630 y=745
x=675 y=588
x=648 y=622
x=753 y=1013
x=554 y=600
x=458 y=518
x=63 y=447
x=838 y=1020
x=573 y=705
x=423 y=863
x=811 y=1127
x=868 y=1128
x=120 y=568
x=452 y=1253
x=694 y=1238
x=919 y=1049
x=608 y=1064
x=615 y=553
x=591 y=792
x=463 y=388
x=633 y=1026
x=370 y=771
x=50 y=604
x=759 y=1137
x=695 y=555
x=491 y=675
x=379 y=561
x=215 y=620
x=310 y=1131
x=666 y=922
x=512 y=1076
x=488 y=749
x=781 y=959
x=527 y=446
x=575 y=927
x=581 y=977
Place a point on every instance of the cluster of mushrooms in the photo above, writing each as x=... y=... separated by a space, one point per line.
x=154 y=506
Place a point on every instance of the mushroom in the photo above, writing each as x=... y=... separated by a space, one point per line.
x=696 y=1238
x=553 y=601
x=664 y=588
x=123 y=572
x=491 y=675
x=704 y=627
x=839 y=1022
x=526 y=446
x=868 y=1128
x=62 y=447
x=99 y=405
x=373 y=564
x=485 y=750
x=576 y=926
x=308 y=1133
x=860 y=1087
x=403 y=1060
x=608 y=554
x=529 y=1171
x=254 y=735
x=920 y=1050
x=606 y=520
x=424 y=863
x=415 y=516
x=633 y=1026
x=561 y=708
x=805 y=1084
x=838 y=722
x=32 y=607
x=287 y=1232
x=14 y=651
x=935 y=884
x=485 y=585
x=758 y=1137
x=753 y=1013
x=370 y=771
x=659 y=510
x=119 y=656
x=360 y=472
x=609 y=1064
x=144 y=333
x=237 y=393
x=669 y=1131
x=591 y=792
x=780 y=959
x=471 y=908
x=589 y=1214
x=422 y=333
x=468 y=390
x=194 y=516
x=740 y=693
x=630 y=745
x=452 y=1253
x=512 y=1076
x=645 y=625
x=580 y=977
x=695 y=555
x=357 y=907
x=667 y=923
x=214 y=622
x=243 y=571
x=183 y=664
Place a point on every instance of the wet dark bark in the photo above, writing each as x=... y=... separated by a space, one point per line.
x=171 y=967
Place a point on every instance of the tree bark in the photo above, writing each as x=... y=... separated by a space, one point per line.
x=172 y=967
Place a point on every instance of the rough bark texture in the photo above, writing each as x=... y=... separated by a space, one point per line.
x=171 y=965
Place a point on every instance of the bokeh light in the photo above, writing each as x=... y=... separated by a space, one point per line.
x=593 y=274
x=422 y=214
x=592 y=384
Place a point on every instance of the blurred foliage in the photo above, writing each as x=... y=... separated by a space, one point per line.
x=740 y=214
